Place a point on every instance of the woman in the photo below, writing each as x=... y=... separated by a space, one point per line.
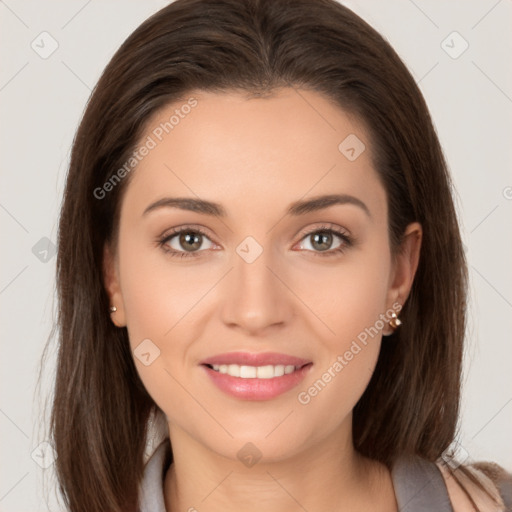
x=256 y=197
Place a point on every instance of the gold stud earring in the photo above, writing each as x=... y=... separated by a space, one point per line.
x=395 y=321
x=113 y=309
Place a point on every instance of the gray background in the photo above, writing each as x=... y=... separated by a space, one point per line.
x=42 y=99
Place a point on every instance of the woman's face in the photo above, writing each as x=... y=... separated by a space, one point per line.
x=263 y=275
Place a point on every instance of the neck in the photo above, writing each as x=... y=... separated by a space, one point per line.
x=328 y=476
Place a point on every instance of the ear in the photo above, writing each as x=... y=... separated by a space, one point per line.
x=405 y=265
x=113 y=287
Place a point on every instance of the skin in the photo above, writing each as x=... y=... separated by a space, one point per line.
x=256 y=157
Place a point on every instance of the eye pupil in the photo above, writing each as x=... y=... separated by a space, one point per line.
x=323 y=238
x=191 y=240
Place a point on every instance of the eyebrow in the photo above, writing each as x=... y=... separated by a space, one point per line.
x=295 y=209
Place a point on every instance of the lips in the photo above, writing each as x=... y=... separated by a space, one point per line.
x=262 y=376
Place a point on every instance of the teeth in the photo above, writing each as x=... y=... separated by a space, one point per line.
x=234 y=370
x=253 y=372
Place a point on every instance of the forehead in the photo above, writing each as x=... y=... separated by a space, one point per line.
x=259 y=153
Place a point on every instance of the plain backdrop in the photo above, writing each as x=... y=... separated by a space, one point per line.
x=456 y=50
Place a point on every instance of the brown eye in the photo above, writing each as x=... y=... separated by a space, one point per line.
x=190 y=240
x=321 y=242
x=185 y=242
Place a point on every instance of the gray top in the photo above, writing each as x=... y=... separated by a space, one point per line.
x=419 y=484
x=152 y=485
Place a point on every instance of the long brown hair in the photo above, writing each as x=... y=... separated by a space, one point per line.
x=100 y=407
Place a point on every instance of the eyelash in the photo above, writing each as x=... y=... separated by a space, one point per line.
x=348 y=241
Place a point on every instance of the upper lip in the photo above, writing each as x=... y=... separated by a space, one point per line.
x=255 y=359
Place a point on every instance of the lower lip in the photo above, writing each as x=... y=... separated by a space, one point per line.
x=257 y=389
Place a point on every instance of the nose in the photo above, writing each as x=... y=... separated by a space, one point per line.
x=256 y=297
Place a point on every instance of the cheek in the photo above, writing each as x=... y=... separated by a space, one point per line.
x=162 y=301
x=352 y=300
x=159 y=293
x=349 y=297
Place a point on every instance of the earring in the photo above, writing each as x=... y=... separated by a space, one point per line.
x=113 y=309
x=395 y=321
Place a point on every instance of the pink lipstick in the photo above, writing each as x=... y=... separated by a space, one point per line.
x=253 y=376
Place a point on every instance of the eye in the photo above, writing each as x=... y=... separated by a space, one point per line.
x=322 y=239
x=185 y=242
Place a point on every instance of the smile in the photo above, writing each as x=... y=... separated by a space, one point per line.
x=263 y=381
x=254 y=372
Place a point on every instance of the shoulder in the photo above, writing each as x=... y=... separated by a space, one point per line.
x=466 y=495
